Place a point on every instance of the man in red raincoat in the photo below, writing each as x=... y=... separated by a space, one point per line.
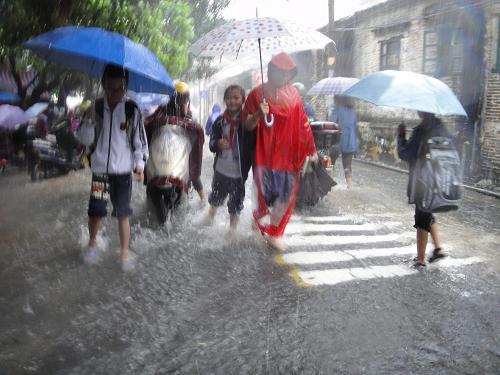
x=281 y=149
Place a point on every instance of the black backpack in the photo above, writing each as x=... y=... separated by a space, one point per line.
x=437 y=183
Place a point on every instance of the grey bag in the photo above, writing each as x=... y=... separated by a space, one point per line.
x=437 y=181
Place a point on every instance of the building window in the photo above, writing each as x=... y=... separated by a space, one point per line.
x=430 y=53
x=389 y=54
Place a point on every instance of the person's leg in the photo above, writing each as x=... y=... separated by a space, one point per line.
x=217 y=196
x=422 y=238
x=156 y=198
x=124 y=230
x=94 y=225
x=347 y=164
x=99 y=191
x=438 y=252
x=423 y=224
x=121 y=196
x=435 y=236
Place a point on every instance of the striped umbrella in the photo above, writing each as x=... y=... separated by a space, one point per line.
x=332 y=86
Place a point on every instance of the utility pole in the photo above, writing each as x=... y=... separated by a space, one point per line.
x=330 y=50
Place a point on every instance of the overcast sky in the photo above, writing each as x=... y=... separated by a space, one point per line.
x=313 y=13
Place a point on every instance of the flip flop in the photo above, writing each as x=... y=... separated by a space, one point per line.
x=437 y=254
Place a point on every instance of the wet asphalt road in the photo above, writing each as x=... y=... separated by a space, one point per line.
x=197 y=304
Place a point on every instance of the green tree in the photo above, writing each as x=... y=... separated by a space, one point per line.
x=164 y=26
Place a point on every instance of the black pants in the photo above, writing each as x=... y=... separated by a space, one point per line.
x=164 y=200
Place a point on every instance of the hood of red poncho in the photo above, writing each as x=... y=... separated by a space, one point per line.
x=284 y=62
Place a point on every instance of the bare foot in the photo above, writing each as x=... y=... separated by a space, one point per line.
x=277 y=244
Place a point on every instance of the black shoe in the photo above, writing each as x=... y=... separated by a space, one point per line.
x=437 y=254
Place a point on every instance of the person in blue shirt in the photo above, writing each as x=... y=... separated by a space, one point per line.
x=216 y=112
x=345 y=116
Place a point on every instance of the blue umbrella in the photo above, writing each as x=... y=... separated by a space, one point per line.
x=90 y=49
x=145 y=99
x=407 y=90
x=9 y=97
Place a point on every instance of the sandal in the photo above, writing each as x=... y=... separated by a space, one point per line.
x=419 y=265
x=437 y=254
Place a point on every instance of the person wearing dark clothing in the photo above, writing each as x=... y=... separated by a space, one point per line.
x=216 y=112
x=233 y=147
x=410 y=151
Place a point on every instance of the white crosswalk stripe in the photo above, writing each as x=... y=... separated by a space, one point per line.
x=325 y=240
x=305 y=234
x=294 y=228
x=336 y=276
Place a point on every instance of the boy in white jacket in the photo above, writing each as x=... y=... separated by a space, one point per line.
x=115 y=130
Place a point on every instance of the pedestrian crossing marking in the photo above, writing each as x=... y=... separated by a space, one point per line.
x=295 y=228
x=315 y=257
x=309 y=232
x=337 y=276
x=325 y=240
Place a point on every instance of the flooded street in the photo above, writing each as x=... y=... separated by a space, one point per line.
x=198 y=305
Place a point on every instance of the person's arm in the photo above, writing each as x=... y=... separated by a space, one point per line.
x=251 y=122
x=407 y=149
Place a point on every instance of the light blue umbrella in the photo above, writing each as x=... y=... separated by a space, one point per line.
x=11 y=115
x=36 y=109
x=90 y=49
x=407 y=90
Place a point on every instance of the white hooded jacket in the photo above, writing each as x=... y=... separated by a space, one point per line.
x=113 y=143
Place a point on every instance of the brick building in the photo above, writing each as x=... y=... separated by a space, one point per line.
x=453 y=40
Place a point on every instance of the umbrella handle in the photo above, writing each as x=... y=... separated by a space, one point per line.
x=270 y=122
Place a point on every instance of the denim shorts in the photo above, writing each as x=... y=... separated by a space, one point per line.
x=118 y=188
x=423 y=220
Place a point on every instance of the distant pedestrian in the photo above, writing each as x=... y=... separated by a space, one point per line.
x=345 y=116
x=233 y=147
x=410 y=151
x=216 y=112
x=114 y=130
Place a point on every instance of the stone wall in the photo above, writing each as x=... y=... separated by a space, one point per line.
x=490 y=134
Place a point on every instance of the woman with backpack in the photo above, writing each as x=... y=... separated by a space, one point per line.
x=411 y=151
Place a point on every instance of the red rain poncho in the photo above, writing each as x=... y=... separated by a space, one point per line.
x=280 y=150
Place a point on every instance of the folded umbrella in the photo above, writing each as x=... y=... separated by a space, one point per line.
x=90 y=49
x=407 y=90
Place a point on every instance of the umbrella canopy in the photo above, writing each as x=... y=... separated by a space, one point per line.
x=90 y=49
x=239 y=38
x=9 y=97
x=332 y=86
x=407 y=90
x=146 y=99
x=36 y=109
x=11 y=115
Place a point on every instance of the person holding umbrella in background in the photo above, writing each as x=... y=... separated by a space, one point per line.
x=345 y=116
x=114 y=129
